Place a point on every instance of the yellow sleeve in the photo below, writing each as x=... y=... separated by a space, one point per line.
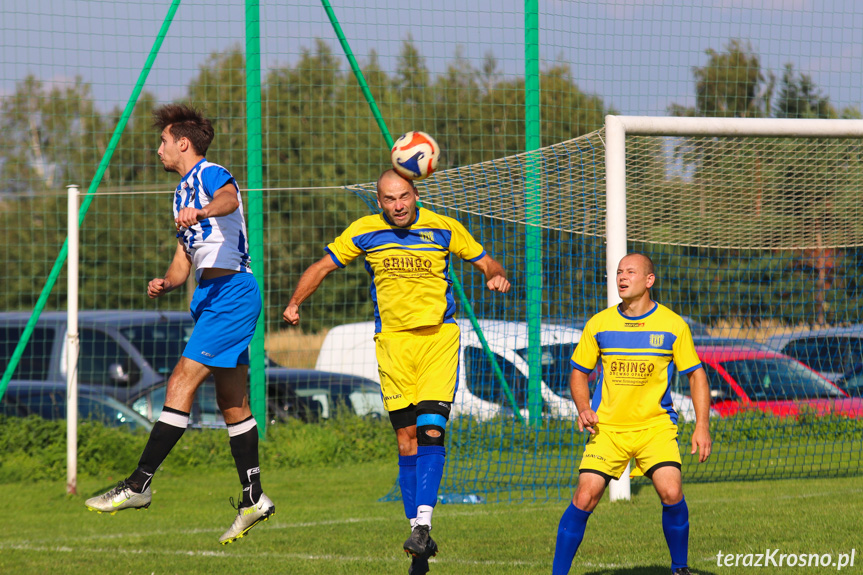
x=685 y=357
x=343 y=250
x=587 y=351
x=463 y=245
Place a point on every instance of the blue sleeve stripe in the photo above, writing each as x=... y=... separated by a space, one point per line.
x=477 y=258
x=431 y=419
x=333 y=257
x=580 y=368
x=691 y=369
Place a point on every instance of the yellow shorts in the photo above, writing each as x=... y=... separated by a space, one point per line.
x=418 y=365
x=609 y=451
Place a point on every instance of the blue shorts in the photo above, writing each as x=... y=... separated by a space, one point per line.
x=225 y=310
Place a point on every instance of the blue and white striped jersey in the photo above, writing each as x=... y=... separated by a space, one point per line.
x=217 y=242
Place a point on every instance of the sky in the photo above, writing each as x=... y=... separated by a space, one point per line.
x=637 y=55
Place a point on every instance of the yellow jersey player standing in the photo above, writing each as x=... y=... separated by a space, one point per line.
x=631 y=415
x=407 y=251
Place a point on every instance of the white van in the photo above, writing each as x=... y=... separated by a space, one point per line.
x=350 y=348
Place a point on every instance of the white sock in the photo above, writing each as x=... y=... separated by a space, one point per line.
x=413 y=522
x=424 y=515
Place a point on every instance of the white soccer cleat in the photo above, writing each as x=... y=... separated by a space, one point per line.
x=248 y=517
x=119 y=498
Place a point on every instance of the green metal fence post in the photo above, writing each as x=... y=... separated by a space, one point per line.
x=254 y=161
x=533 y=210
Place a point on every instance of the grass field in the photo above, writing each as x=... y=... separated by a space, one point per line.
x=328 y=520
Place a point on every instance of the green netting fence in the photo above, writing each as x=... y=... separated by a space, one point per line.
x=463 y=74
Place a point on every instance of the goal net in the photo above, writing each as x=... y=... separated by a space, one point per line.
x=757 y=242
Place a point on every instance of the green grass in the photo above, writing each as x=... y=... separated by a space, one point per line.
x=329 y=521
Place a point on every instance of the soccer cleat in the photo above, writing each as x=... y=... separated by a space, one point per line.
x=420 y=564
x=682 y=571
x=248 y=517
x=420 y=544
x=119 y=498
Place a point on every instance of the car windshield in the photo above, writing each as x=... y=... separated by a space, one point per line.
x=827 y=353
x=778 y=378
x=556 y=369
x=161 y=343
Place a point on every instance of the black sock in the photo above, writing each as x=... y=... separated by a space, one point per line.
x=244 y=448
x=164 y=436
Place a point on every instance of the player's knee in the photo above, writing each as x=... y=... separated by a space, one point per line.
x=407 y=442
x=671 y=496
x=586 y=500
x=431 y=422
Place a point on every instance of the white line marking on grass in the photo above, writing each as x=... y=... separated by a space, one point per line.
x=275 y=524
x=304 y=556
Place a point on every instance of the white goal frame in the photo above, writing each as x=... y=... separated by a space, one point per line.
x=616 y=130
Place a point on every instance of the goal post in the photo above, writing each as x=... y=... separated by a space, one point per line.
x=617 y=128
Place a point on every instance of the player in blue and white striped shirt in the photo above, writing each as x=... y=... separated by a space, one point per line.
x=211 y=233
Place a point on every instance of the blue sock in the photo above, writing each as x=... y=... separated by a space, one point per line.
x=570 y=532
x=430 y=462
x=408 y=484
x=675 y=525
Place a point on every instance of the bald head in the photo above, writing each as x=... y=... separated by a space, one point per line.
x=391 y=178
x=634 y=279
x=640 y=260
x=397 y=198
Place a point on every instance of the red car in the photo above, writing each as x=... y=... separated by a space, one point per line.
x=745 y=379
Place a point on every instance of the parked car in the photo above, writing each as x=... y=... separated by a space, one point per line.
x=121 y=352
x=304 y=394
x=830 y=351
x=851 y=381
x=130 y=354
x=48 y=401
x=771 y=382
x=350 y=348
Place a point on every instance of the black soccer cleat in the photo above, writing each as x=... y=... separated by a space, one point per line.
x=420 y=563
x=420 y=544
x=682 y=571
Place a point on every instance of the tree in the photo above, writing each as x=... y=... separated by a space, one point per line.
x=800 y=98
x=50 y=136
x=730 y=85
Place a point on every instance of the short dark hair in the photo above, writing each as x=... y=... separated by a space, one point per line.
x=185 y=122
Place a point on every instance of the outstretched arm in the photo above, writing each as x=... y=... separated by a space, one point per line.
x=700 y=390
x=177 y=274
x=495 y=277
x=309 y=282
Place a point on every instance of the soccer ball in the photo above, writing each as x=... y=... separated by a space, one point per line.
x=415 y=155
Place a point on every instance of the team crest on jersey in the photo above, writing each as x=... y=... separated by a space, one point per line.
x=427 y=236
x=656 y=339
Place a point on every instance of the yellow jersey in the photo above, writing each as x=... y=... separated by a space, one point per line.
x=409 y=267
x=633 y=390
